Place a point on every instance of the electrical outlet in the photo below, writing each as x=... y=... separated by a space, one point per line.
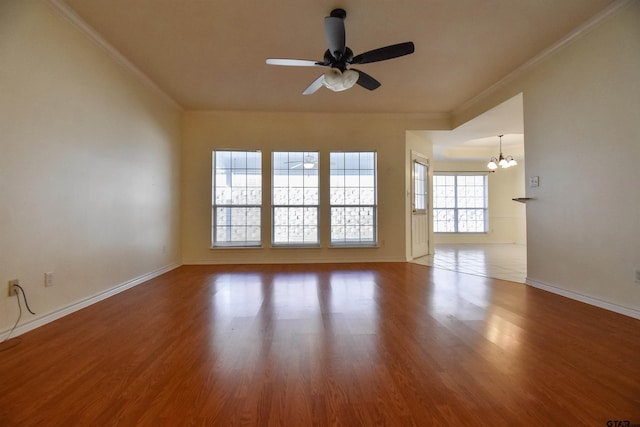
x=48 y=279
x=12 y=289
x=534 y=181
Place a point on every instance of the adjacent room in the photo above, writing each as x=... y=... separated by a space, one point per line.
x=479 y=213
x=249 y=213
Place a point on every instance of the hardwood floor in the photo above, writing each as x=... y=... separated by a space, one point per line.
x=341 y=344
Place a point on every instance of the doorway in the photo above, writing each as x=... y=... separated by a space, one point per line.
x=499 y=248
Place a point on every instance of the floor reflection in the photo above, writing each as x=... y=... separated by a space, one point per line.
x=459 y=297
x=294 y=295
x=331 y=318
x=237 y=294
x=503 y=333
x=352 y=291
x=319 y=319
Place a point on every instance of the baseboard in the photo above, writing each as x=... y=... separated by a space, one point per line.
x=289 y=261
x=584 y=298
x=50 y=317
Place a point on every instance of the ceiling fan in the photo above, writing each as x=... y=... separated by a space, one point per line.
x=309 y=162
x=339 y=58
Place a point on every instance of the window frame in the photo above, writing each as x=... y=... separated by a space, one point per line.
x=304 y=207
x=456 y=208
x=419 y=187
x=231 y=244
x=360 y=243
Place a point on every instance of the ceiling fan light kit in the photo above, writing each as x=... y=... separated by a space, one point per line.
x=503 y=162
x=339 y=58
x=337 y=80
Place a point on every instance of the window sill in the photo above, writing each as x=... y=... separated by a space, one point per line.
x=297 y=246
x=349 y=246
x=462 y=233
x=353 y=246
x=235 y=247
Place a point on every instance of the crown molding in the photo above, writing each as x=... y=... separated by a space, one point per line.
x=577 y=33
x=66 y=12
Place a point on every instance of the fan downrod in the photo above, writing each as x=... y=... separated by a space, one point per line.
x=338 y=13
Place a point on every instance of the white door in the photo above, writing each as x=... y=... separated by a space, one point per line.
x=420 y=206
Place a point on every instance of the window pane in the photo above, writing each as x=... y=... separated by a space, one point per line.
x=367 y=161
x=367 y=195
x=471 y=221
x=419 y=187
x=237 y=226
x=237 y=197
x=443 y=220
x=337 y=195
x=295 y=198
x=353 y=198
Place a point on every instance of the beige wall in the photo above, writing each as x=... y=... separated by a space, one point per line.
x=89 y=166
x=385 y=134
x=582 y=138
x=507 y=219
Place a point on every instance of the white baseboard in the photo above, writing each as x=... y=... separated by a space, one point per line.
x=196 y=261
x=50 y=317
x=627 y=311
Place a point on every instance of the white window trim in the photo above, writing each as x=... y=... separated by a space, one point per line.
x=357 y=244
x=456 y=208
x=290 y=245
x=232 y=245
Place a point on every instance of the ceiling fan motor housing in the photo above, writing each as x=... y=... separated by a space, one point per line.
x=340 y=63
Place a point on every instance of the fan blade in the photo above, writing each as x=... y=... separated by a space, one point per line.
x=313 y=87
x=334 y=32
x=294 y=62
x=366 y=81
x=384 y=53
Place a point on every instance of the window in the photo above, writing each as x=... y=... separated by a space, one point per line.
x=295 y=199
x=353 y=198
x=237 y=198
x=460 y=203
x=419 y=187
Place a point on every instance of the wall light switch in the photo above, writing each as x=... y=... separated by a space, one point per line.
x=534 y=181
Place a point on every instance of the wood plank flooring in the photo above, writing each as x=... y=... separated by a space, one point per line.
x=395 y=344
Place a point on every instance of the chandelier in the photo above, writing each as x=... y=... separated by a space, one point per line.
x=503 y=162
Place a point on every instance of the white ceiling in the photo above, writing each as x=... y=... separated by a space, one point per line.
x=210 y=54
